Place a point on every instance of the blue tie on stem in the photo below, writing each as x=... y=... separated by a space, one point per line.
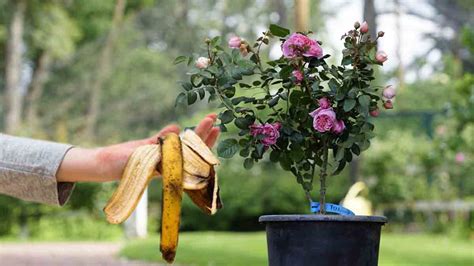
x=331 y=208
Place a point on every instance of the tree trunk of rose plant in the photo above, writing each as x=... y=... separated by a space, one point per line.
x=35 y=90
x=302 y=9
x=13 y=96
x=103 y=69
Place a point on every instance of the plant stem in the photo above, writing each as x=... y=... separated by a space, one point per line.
x=322 y=180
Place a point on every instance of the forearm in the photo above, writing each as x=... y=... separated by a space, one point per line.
x=80 y=165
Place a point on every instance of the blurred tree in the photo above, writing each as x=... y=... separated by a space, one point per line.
x=102 y=71
x=52 y=36
x=13 y=95
x=370 y=15
x=302 y=10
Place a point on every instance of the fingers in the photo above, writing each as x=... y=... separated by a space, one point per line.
x=204 y=127
x=169 y=129
x=213 y=135
x=166 y=130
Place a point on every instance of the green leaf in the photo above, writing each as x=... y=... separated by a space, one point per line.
x=346 y=60
x=181 y=99
x=226 y=117
x=192 y=97
x=340 y=167
x=196 y=80
x=248 y=163
x=333 y=85
x=349 y=104
x=364 y=100
x=274 y=156
x=202 y=93
x=227 y=148
x=244 y=122
x=216 y=41
x=244 y=152
x=286 y=71
x=339 y=154
x=186 y=86
x=296 y=154
x=279 y=31
x=273 y=101
x=180 y=59
x=355 y=149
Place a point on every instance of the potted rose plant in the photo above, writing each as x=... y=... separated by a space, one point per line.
x=310 y=117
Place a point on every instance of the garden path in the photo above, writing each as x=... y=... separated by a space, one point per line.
x=64 y=253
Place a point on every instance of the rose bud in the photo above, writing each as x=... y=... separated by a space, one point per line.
x=388 y=104
x=243 y=49
x=298 y=75
x=381 y=56
x=356 y=25
x=364 y=28
x=202 y=62
x=234 y=42
x=380 y=34
x=375 y=112
x=389 y=92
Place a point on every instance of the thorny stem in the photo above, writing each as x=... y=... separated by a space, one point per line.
x=322 y=180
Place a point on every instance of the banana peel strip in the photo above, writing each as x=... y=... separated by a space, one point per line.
x=135 y=178
x=172 y=172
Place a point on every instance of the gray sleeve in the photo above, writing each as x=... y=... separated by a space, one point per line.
x=28 y=170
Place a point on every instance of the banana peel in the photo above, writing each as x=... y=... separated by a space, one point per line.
x=172 y=172
x=138 y=173
x=207 y=198
x=187 y=164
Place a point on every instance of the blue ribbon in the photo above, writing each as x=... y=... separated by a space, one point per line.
x=331 y=208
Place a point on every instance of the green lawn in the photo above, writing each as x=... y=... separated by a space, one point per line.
x=221 y=248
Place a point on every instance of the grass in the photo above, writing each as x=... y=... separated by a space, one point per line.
x=226 y=248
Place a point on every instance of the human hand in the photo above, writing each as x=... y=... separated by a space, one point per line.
x=107 y=163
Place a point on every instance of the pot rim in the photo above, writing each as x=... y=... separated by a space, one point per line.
x=321 y=218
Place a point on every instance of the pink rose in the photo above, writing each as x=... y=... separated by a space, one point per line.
x=324 y=103
x=323 y=119
x=202 y=62
x=460 y=157
x=364 y=28
x=298 y=76
x=271 y=132
x=375 y=112
x=298 y=45
x=388 y=104
x=389 y=92
x=338 y=127
x=381 y=56
x=234 y=42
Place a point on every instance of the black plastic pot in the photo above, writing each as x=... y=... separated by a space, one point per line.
x=323 y=239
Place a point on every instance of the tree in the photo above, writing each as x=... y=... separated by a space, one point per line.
x=52 y=37
x=14 y=98
x=103 y=70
